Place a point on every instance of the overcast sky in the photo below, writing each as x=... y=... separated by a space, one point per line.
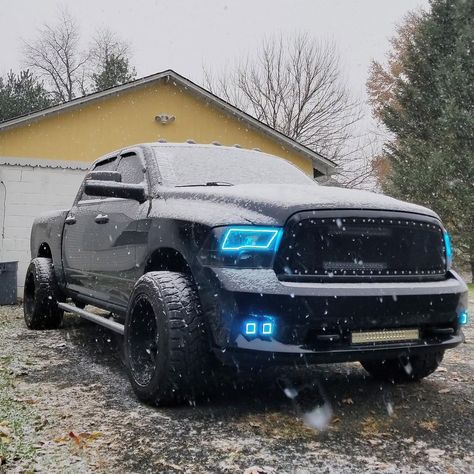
x=185 y=35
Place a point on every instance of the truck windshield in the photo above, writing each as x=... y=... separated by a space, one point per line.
x=201 y=166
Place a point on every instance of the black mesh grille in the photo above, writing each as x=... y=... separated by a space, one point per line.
x=359 y=248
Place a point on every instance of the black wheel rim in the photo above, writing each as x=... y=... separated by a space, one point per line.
x=29 y=295
x=142 y=342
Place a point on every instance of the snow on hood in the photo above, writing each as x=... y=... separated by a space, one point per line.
x=274 y=203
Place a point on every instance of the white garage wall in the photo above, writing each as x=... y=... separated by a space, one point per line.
x=30 y=190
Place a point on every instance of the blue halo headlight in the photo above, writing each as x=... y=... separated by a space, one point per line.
x=263 y=239
x=448 y=249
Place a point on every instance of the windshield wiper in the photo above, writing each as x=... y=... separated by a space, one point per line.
x=209 y=183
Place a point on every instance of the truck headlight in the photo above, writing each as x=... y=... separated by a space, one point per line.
x=237 y=239
x=244 y=246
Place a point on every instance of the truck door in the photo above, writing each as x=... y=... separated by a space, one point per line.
x=81 y=237
x=124 y=226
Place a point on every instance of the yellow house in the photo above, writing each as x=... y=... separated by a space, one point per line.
x=44 y=155
x=162 y=106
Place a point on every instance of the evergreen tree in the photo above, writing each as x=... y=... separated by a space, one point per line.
x=114 y=70
x=431 y=117
x=21 y=94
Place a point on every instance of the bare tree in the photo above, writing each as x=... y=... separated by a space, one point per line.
x=109 y=61
x=55 y=56
x=296 y=86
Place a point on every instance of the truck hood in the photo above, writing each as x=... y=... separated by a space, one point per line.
x=274 y=203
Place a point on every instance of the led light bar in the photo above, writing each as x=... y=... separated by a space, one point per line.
x=251 y=238
x=390 y=335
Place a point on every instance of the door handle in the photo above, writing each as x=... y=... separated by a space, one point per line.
x=70 y=220
x=102 y=219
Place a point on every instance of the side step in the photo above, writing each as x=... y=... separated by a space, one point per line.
x=112 y=325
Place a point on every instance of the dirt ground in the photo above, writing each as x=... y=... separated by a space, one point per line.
x=66 y=406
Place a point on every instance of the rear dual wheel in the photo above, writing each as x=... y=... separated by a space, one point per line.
x=166 y=348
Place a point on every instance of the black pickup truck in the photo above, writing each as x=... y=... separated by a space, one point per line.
x=205 y=254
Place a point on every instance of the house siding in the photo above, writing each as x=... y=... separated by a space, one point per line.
x=30 y=191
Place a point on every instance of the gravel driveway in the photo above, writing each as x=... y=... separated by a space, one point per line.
x=66 y=406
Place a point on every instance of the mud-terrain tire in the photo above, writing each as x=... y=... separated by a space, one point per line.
x=167 y=352
x=41 y=295
x=412 y=369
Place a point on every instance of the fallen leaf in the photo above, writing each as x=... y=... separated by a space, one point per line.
x=375 y=442
x=430 y=425
x=370 y=428
x=28 y=401
x=80 y=439
x=5 y=434
x=75 y=438
x=92 y=436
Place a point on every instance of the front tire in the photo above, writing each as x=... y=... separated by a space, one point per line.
x=402 y=370
x=40 y=297
x=166 y=348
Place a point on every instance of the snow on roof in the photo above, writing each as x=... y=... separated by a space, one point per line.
x=319 y=161
x=43 y=163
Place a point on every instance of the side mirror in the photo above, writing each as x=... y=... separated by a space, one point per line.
x=105 y=176
x=94 y=187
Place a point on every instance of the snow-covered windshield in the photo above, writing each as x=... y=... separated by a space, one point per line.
x=194 y=165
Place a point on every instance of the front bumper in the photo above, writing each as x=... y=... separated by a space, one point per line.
x=314 y=321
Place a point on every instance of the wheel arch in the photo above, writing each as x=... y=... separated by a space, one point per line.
x=167 y=259
x=44 y=251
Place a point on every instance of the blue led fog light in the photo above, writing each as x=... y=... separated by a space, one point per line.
x=267 y=329
x=263 y=326
x=250 y=328
x=463 y=317
x=265 y=239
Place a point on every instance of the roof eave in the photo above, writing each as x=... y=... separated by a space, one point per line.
x=319 y=161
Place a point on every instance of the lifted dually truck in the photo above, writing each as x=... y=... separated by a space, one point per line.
x=206 y=253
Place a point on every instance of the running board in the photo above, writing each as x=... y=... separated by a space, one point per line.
x=112 y=325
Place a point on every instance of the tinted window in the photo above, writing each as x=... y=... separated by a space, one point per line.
x=131 y=169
